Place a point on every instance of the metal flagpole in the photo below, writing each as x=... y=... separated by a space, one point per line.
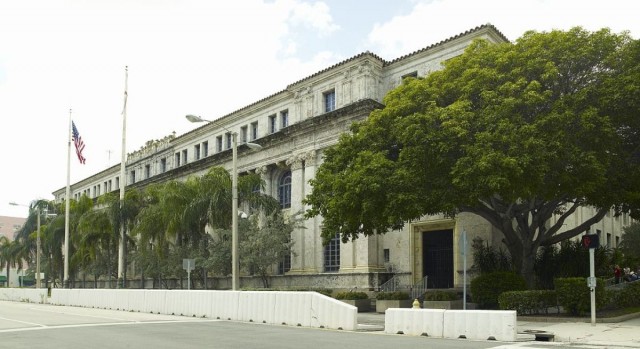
x=67 y=200
x=121 y=281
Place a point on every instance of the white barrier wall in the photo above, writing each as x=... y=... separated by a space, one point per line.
x=470 y=324
x=31 y=295
x=417 y=322
x=307 y=309
x=481 y=324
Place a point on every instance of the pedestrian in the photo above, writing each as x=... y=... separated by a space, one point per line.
x=616 y=273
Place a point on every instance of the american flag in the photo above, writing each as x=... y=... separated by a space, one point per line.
x=77 y=140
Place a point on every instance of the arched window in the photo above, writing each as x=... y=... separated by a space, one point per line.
x=284 y=190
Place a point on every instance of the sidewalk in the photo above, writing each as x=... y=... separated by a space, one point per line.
x=625 y=333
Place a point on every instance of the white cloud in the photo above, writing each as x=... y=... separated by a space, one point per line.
x=435 y=20
x=316 y=15
x=193 y=56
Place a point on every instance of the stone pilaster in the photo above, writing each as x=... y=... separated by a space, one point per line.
x=295 y=164
x=313 y=243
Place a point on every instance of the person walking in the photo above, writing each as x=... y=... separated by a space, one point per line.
x=617 y=273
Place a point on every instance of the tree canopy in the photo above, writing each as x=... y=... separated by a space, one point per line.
x=513 y=132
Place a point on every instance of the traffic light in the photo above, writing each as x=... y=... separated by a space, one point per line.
x=591 y=241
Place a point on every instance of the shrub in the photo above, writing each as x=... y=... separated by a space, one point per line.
x=626 y=297
x=486 y=288
x=575 y=297
x=397 y=296
x=441 y=296
x=352 y=295
x=488 y=259
x=528 y=302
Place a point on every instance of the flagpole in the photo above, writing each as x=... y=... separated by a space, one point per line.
x=121 y=280
x=67 y=200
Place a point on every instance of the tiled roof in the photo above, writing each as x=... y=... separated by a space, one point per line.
x=484 y=26
x=360 y=55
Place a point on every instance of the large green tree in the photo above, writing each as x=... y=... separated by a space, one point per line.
x=513 y=132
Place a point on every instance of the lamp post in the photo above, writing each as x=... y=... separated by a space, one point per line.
x=235 y=263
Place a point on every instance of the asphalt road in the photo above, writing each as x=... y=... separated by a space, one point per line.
x=26 y=325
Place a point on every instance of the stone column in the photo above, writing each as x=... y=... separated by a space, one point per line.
x=297 y=193
x=265 y=175
x=311 y=231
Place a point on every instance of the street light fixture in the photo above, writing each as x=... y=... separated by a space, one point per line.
x=235 y=265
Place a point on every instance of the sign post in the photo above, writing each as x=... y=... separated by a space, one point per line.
x=592 y=242
x=463 y=253
x=188 y=265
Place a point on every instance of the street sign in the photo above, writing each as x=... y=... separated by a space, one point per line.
x=188 y=264
x=591 y=241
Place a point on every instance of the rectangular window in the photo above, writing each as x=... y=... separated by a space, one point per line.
x=147 y=171
x=243 y=134
x=329 y=98
x=105 y=188
x=332 y=255
x=117 y=183
x=284 y=118
x=410 y=75
x=177 y=159
x=163 y=165
x=218 y=144
x=184 y=156
x=205 y=149
x=617 y=241
x=254 y=131
x=196 y=152
x=387 y=255
x=110 y=185
x=132 y=176
x=273 y=126
x=228 y=138
x=284 y=265
x=609 y=240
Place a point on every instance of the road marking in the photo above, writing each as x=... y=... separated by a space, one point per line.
x=44 y=327
x=23 y=322
x=78 y=314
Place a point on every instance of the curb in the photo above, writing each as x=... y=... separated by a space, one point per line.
x=607 y=320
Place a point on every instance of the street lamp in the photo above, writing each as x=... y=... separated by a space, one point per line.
x=235 y=265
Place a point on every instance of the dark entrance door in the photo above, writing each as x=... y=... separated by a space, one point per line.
x=437 y=258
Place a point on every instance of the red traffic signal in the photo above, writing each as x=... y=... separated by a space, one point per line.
x=591 y=241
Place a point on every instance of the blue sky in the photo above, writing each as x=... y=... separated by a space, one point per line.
x=207 y=58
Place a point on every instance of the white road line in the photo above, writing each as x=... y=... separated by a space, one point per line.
x=84 y=315
x=23 y=322
x=44 y=327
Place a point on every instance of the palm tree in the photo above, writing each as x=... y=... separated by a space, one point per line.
x=12 y=254
x=97 y=244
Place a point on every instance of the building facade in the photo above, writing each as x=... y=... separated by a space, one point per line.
x=294 y=127
x=8 y=228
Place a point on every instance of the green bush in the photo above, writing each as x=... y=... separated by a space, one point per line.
x=575 y=297
x=441 y=296
x=352 y=295
x=486 y=288
x=396 y=296
x=528 y=302
x=626 y=297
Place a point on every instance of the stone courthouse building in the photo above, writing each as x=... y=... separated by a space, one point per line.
x=294 y=127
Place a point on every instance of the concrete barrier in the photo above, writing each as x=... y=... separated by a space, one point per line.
x=416 y=322
x=30 y=295
x=470 y=324
x=481 y=324
x=307 y=309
